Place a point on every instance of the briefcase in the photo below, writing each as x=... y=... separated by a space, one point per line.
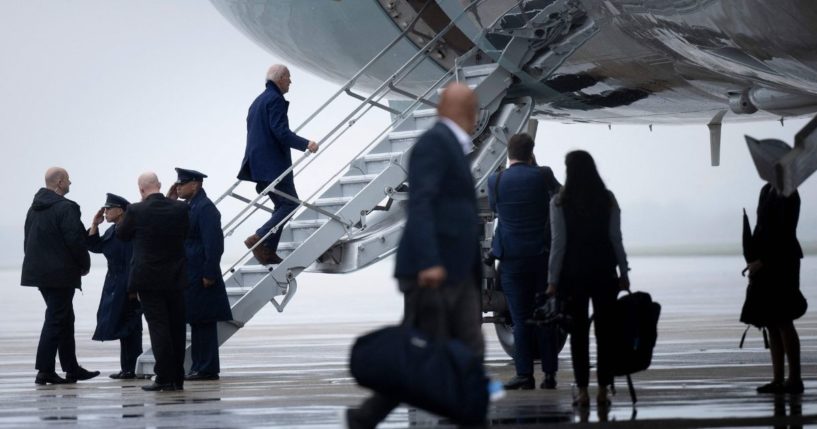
x=440 y=376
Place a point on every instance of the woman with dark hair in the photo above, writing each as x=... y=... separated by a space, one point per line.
x=119 y=316
x=774 y=273
x=586 y=248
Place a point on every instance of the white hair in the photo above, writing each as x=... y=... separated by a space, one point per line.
x=276 y=72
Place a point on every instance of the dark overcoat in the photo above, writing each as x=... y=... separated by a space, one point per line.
x=204 y=247
x=54 y=243
x=442 y=226
x=269 y=138
x=117 y=316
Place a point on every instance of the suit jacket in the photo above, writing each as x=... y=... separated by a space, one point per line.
x=204 y=247
x=442 y=227
x=775 y=236
x=523 y=203
x=269 y=138
x=158 y=227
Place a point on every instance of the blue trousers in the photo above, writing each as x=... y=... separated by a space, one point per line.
x=520 y=283
x=204 y=348
x=283 y=207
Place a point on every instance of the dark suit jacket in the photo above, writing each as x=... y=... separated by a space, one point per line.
x=442 y=227
x=269 y=138
x=523 y=207
x=158 y=227
x=775 y=236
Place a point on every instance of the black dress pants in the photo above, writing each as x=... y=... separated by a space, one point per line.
x=57 y=334
x=603 y=297
x=164 y=312
x=451 y=311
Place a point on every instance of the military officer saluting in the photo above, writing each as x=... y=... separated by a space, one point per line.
x=119 y=315
x=205 y=296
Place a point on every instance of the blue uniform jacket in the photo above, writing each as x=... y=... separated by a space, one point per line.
x=269 y=138
x=442 y=227
x=523 y=230
x=117 y=316
x=203 y=247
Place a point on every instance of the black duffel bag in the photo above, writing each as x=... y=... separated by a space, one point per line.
x=442 y=377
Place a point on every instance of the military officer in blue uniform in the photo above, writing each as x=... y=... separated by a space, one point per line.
x=205 y=296
x=119 y=315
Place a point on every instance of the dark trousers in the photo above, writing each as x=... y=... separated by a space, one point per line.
x=164 y=312
x=204 y=348
x=283 y=207
x=130 y=348
x=520 y=289
x=57 y=334
x=603 y=299
x=452 y=311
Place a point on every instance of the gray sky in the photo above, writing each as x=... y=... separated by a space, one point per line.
x=108 y=89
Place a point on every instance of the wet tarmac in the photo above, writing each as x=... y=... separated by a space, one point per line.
x=291 y=373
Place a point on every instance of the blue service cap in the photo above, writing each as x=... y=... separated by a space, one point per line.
x=113 y=200
x=185 y=175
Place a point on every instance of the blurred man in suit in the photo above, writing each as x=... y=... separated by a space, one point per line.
x=55 y=259
x=438 y=257
x=267 y=155
x=158 y=227
x=206 y=296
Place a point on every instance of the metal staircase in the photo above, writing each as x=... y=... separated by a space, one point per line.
x=357 y=217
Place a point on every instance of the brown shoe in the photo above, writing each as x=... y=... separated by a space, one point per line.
x=266 y=256
x=251 y=240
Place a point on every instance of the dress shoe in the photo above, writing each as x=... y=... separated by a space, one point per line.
x=549 y=382
x=793 y=386
x=123 y=375
x=773 y=387
x=524 y=382
x=265 y=256
x=201 y=377
x=80 y=374
x=50 y=378
x=160 y=387
x=251 y=240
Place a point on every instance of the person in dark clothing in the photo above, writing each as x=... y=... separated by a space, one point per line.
x=158 y=227
x=55 y=260
x=206 y=295
x=774 y=268
x=119 y=316
x=586 y=248
x=268 y=155
x=437 y=265
x=520 y=195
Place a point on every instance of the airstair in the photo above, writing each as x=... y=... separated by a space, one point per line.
x=357 y=217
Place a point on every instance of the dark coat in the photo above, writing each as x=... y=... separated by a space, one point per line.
x=54 y=243
x=204 y=247
x=117 y=316
x=523 y=230
x=158 y=227
x=269 y=138
x=442 y=227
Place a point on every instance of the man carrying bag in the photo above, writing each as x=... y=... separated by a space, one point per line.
x=432 y=360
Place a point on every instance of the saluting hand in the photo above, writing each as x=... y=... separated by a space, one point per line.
x=173 y=192
x=207 y=282
x=98 y=217
x=312 y=146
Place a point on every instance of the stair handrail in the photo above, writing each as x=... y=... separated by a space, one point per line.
x=393 y=79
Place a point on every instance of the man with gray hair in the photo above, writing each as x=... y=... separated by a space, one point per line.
x=268 y=155
x=55 y=260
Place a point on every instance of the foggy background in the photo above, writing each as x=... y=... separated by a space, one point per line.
x=109 y=89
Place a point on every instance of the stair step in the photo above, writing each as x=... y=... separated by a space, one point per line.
x=316 y=223
x=361 y=178
x=470 y=85
x=237 y=291
x=402 y=135
x=337 y=201
x=482 y=70
x=424 y=113
x=385 y=156
x=288 y=245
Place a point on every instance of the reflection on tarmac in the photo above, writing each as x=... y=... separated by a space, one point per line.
x=293 y=374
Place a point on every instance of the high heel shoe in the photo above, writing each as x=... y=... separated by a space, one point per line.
x=582 y=399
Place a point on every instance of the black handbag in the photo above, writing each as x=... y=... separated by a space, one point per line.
x=440 y=376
